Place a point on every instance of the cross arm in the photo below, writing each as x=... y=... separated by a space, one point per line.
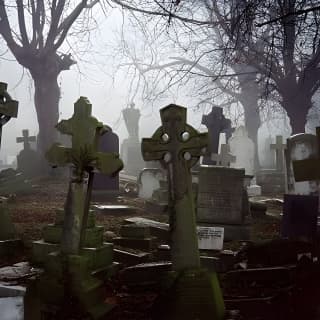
x=108 y=163
x=153 y=149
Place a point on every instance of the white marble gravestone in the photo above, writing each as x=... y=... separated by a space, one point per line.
x=242 y=147
x=149 y=181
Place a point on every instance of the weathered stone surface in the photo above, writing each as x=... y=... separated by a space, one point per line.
x=220 y=195
x=135 y=231
x=128 y=258
x=271 y=181
x=135 y=243
x=115 y=209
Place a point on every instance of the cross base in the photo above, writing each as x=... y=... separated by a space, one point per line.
x=66 y=290
x=193 y=294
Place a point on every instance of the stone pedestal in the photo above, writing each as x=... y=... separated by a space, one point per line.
x=98 y=252
x=135 y=237
x=271 y=181
x=222 y=201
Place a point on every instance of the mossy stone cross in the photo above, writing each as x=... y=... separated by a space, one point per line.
x=84 y=158
x=178 y=147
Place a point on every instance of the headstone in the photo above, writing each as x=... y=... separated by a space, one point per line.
x=279 y=148
x=28 y=160
x=220 y=195
x=242 y=147
x=216 y=124
x=178 y=147
x=300 y=147
x=68 y=272
x=224 y=158
x=104 y=186
x=130 y=148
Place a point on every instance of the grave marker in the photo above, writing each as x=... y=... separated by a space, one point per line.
x=178 y=147
x=210 y=238
x=224 y=158
x=279 y=147
x=26 y=139
x=216 y=123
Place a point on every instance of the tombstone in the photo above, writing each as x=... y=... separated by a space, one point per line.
x=103 y=185
x=224 y=158
x=28 y=160
x=300 y=147
x=8 y=239
x=193 y=294
x=68 y=275
x=216 y=124
x=274 y=180
x=242 y=147
x=301 y=204
x=130 y=148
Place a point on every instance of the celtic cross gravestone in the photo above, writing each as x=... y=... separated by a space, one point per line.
x=178 y=147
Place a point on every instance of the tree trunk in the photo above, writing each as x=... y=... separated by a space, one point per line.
x=297 y=109
x=46 y=99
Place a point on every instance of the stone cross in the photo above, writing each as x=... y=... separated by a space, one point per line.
x=225 y=157
x=26 y=139
x=178 y=147
x=8 y=107
x=308 y=169
x=279 y=147
x=84 y=158
x=216 y=123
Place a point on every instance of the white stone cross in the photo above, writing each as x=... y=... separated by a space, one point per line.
x=279 y=147
x=224 y=158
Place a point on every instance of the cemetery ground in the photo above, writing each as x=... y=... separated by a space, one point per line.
x=35 y=209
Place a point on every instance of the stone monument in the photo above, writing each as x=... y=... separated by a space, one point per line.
x=193 y=293
x=242 y=147
x=274 y=180
x=130 y=148
x=28 y=160
x=216 y=123
x=68 y=278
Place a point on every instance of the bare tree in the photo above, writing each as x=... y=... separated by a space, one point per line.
x=34 y=31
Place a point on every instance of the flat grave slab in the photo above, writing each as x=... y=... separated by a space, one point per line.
x=114 y=209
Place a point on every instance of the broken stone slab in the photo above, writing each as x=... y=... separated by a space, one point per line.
x=159 y=230
x=18 y=271
x=129 y=258
x=146 y=273
x=135 y=231
x=115 y=209
x=135 y=243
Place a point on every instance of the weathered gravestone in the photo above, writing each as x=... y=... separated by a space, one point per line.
x=242 y=147
x=103 y=185
x=8 y=239
x=222 y=201
x=149 y=181
x=301 y=146
x=273 y=180
x=130 y=148
x=216 y=124
x=28 y=160
x=224 y=158
x=194 y=293
x=68 y=279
